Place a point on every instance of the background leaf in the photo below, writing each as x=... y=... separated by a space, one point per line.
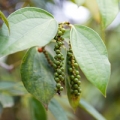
x=37 y=110
x=37 y=77
x=29 y=27
x=88 y=108
x=4 y=20
x=4 y=85
x=108 y=11
x=91 y=55
x=6 y=100
x=57 y=110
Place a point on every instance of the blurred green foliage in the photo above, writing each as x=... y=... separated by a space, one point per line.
x=14 y=98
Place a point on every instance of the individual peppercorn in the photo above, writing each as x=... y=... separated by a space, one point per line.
x=61 y=88
x=57 y=51
x=56 y=79
x=56 y=74
x=60 y=33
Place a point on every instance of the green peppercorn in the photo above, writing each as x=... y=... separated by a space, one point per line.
x=63 y=30
x=70 y=69
x=62 y=68
x=57 y=51
x=57 y=46
x=60 y=77
x=78 y=76
x=75 y=80
x=79 y=82
x=73 y=61
x=60 y=33
x=72 y=77
x=59 y=71
x=58 y=85
x=75 y=64
x=55 y=74
x=59 y=56
x=79 y=89
x=78 y=94
x=69 y=54
x=77 y=72
x=61 y=88
x=62 y=57
x=60 y=43
x=57 y=62
x=56 y=79
x=75 y=86
x=75 y=91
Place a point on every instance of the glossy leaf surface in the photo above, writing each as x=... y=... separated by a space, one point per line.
x=108 y=11
x=37 y=76
x=37 y=110
x=29 y=27
x=91 y=55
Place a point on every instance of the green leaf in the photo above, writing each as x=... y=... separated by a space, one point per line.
x=37 y=76
x=37 y=110
x=108 y=11
x=4 y=20
x=13 y=88
x=92 y=111
x=4 y=85
x=17 y=89
x=57 y=110
x=91 y=55
x=29 y=27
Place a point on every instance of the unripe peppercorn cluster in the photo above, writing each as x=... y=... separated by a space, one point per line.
x=74 y=73
x=58 y=59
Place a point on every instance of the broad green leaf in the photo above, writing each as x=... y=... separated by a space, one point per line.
x=6 y=100
x=108 y=11
x=29 y=27
x=37 y=110
x=13 y=88
x=4 y=20
x=4 y=85
x=37 y=76
x=91 y=55
x=57 y=110
x=17 y=89
x=92 y=111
